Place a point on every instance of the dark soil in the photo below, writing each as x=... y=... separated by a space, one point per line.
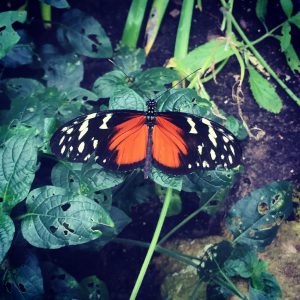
x=273 y=157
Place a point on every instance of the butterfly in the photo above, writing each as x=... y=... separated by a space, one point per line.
x=174 y=142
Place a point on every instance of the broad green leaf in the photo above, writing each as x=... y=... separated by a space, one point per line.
x=57 y=3
x=287 y=6
x=295 y=19
x=84 y=35
x=292 y=58
x=24 y=282
x=18 y=163
x=8 y=36
x=126 y=98
x=63 y=71
x=20 y=54
x=129 y=60
x=57 y=218
x=213 y=259
x=7 y=231
x=84 y=178
x=21 y=88
x=285 y=38
x=59 y=284
x=153 y=80
x=255 y=219
x=261 y=9
x=207 y=55
x=93 y=288
x=212 y=187
x=80 y=94
x=166 y=180
x=133 y=191
x=236 y=127
x=264 y=92
x=270 y=289
x=104 y=86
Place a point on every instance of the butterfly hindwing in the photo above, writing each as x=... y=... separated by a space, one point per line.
x=117 y=137
x=183 y=143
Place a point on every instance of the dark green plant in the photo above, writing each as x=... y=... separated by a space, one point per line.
x=42 y=211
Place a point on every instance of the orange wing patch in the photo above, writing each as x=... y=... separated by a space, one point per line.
x=168 y=144
x=130 y=141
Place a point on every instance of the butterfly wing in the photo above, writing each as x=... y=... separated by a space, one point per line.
x=118 y=138
x=183 y=143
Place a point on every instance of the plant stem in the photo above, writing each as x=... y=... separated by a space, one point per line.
x=46 y=15
x=259 y=57
x=133 y=23
x=184 y=221
x=183 y=31
x=152 y=244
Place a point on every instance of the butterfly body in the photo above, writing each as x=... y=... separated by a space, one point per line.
x=123 y=140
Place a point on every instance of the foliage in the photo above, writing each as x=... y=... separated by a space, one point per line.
x=86 y=205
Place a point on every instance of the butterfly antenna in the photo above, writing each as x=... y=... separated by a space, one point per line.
x=120 y=69
x=178 y=82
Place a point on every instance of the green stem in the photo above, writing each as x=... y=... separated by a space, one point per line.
x=46 y=14
x=259 y=57
x=184 y=221
x=153 y=244
x=186 y=259
x=183 y=31
x=216 y=71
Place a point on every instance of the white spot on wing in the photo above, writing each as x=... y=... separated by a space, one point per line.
x=205 y=164
x=212 y=136
x=81 y=147
x=104 y=160
x=69 y=131
x=205 y=121
x=232 y=149
x=64 y=129
x=197 y=164
x=200 y=149
x=222 y=156
x=84 y=125
x=230 y=159
x=212 y=154
x=63 y=149
x=95 y=143
x=192 y=124
x=189 y=166
x=82 y=133
x=226 y=140
x=91 y=116
x=61 y=140
x=87 y=157
x=105 y=120
x=71 y=149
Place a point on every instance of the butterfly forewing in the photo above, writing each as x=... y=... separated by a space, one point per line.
x=106 y=133
x=183 y=143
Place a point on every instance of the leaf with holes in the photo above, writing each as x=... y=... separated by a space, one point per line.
x=264 y=92
x=166 y=180
x=86 y=178
x=84 y=35
x=24 y=281
x=59 y=284
x=18 y=163
x=255 y=219
x=292 y=58
x=57 y=218
x=93 y=288
x=8 y=36
x=213 y=259
x=7 y=231
x=212 y=187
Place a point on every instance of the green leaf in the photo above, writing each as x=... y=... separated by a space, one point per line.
x=236 y=127
x=153 y=80
x=126 y=98
x=84 y=35
x=213 y=259
x=63 y=71
x=84 y=178
x=18 y=163
x=59 y=284
x=25 y=281
x=79 y=94
x=264 y=92
x=104 y=86
x=7 y=231
x=57 y=3
x=207 y=54
x=8 y=36
x=261 y=9
x=295 y=19
x=270 y=288
x=292 y=58
x=287 y=6
x=93 y=288
x=255 y=219
x=129 y=60
x=58 y=218
x=285 y=38
x=166 y=180
x=212 y=187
